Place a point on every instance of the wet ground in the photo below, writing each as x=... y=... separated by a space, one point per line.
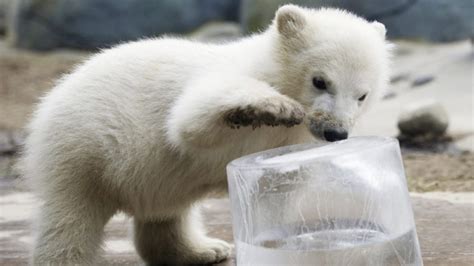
x=444 y=224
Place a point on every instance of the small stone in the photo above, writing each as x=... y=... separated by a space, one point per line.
x=6 y=145
x=399 y=77
x=422 y=81
x=5 y=166
x=5 y=6
x=426 y=118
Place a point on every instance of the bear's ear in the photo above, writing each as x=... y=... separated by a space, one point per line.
x=290 y=20
x=380 y=28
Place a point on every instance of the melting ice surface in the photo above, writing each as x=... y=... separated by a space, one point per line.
x=332 y=247
x=338 y=148
x=323 y=240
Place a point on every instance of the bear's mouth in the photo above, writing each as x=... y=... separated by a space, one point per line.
x=328 y=130
x=316 y=131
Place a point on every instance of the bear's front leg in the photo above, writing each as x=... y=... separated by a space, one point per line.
x=178 y=241
x=271 y=111
x=206 y=115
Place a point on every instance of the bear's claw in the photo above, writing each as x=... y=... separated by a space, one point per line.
x=276 y=111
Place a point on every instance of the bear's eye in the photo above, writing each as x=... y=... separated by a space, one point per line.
x=319 y=83
x=362 y=98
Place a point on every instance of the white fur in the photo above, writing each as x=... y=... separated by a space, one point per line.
x=140 y=128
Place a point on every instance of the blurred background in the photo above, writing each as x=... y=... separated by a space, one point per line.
x=429 y=105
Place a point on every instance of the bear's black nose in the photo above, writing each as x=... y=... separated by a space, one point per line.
x=335 y=134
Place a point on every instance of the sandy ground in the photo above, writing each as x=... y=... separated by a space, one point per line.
x=439 y=172
x=24 y=77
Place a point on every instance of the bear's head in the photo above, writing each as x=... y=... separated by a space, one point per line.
x=333 y=62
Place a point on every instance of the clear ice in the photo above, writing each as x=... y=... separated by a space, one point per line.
x=344 y=203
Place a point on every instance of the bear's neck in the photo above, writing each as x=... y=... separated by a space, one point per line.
x=258 y=57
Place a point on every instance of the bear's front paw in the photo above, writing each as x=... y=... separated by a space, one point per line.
x=274 y=111
x=209 y=250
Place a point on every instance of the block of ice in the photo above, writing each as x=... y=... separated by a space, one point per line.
x=344 y=203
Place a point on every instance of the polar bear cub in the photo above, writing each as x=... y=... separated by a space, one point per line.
x=148 y=127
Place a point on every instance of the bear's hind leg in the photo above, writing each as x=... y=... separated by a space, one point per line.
x=70 y=230
x=178 y=241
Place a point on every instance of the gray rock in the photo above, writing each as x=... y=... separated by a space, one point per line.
x=88 y=24
x=217 y=32
x=423 y=119
x=5 y=7
x=433 y=20
x=399 y=77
